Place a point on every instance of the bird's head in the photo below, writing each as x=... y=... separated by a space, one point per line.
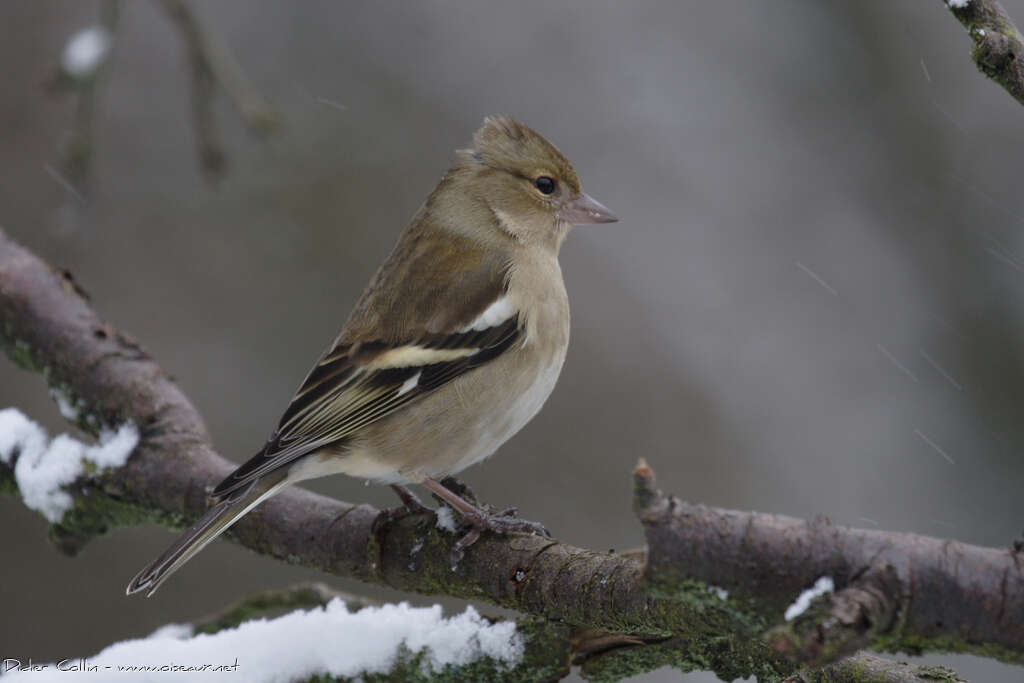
x=529 y=186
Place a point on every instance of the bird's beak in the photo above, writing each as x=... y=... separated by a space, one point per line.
x=586 y=209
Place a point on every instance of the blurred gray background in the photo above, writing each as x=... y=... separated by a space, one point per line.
x=814 y=302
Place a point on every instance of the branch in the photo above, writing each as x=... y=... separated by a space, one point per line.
x=998 y=47
x=83 y=77
x=549 y=648
x=619 y=628
x=215 y=57
x=49 y=327
x=213 y=65
x=896 y=591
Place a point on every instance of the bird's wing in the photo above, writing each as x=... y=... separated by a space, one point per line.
x=361 y=379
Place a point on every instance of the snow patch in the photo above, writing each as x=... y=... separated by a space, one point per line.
x=821 y=586
x=65 y=404
x=445 y=519
x=175 y=631
x=326 y=640
x=958 y=4
x=44 y=467
x=85 y=52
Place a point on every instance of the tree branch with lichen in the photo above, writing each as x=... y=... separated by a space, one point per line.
x=595 y=609
x=894 y=591
x=998 y=48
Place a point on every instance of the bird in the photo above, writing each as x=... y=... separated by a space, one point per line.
x=455 y=344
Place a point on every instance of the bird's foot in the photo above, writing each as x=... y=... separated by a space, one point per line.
x=462 y=490
x=503 y=524
x=480 y=520
x=508 y=523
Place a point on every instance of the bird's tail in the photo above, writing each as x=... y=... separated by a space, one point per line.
x=216 y=520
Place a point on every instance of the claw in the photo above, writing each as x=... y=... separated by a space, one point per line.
x=459 y=549
x=504 y=523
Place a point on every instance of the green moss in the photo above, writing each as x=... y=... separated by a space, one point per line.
x=94 y=513
x=632 y=661
x=916 y=645
x=937 y=673
x=8 y=487
x=707 y=616
x=729 y=658
x=439 y=577
x=20 y=352
x=709 y=610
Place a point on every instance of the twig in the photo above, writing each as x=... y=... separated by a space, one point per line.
x=204 y=46
x=212 y=65
x=998 y=46
x=78 y=148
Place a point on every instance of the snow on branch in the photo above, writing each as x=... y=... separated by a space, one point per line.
x=42 y=468
x=597 y=609
x=324 y=641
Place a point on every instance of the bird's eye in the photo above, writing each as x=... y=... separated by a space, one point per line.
x=545 y=184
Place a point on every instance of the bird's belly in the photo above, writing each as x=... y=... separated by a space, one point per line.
x=510 y=414
x=438 y=436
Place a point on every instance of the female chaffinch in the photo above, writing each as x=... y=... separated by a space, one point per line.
x=454 y=346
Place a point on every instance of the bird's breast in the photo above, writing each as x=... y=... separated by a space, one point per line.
x=468 y=419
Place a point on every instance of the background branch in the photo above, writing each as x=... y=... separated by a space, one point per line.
x=998 y=47
x=215 y=57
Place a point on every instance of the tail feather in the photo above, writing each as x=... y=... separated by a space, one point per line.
x=211 y=525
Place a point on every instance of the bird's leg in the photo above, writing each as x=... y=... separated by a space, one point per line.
x=411 y=505
x=410 y=500
x=501 y=524
x=462 y=490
